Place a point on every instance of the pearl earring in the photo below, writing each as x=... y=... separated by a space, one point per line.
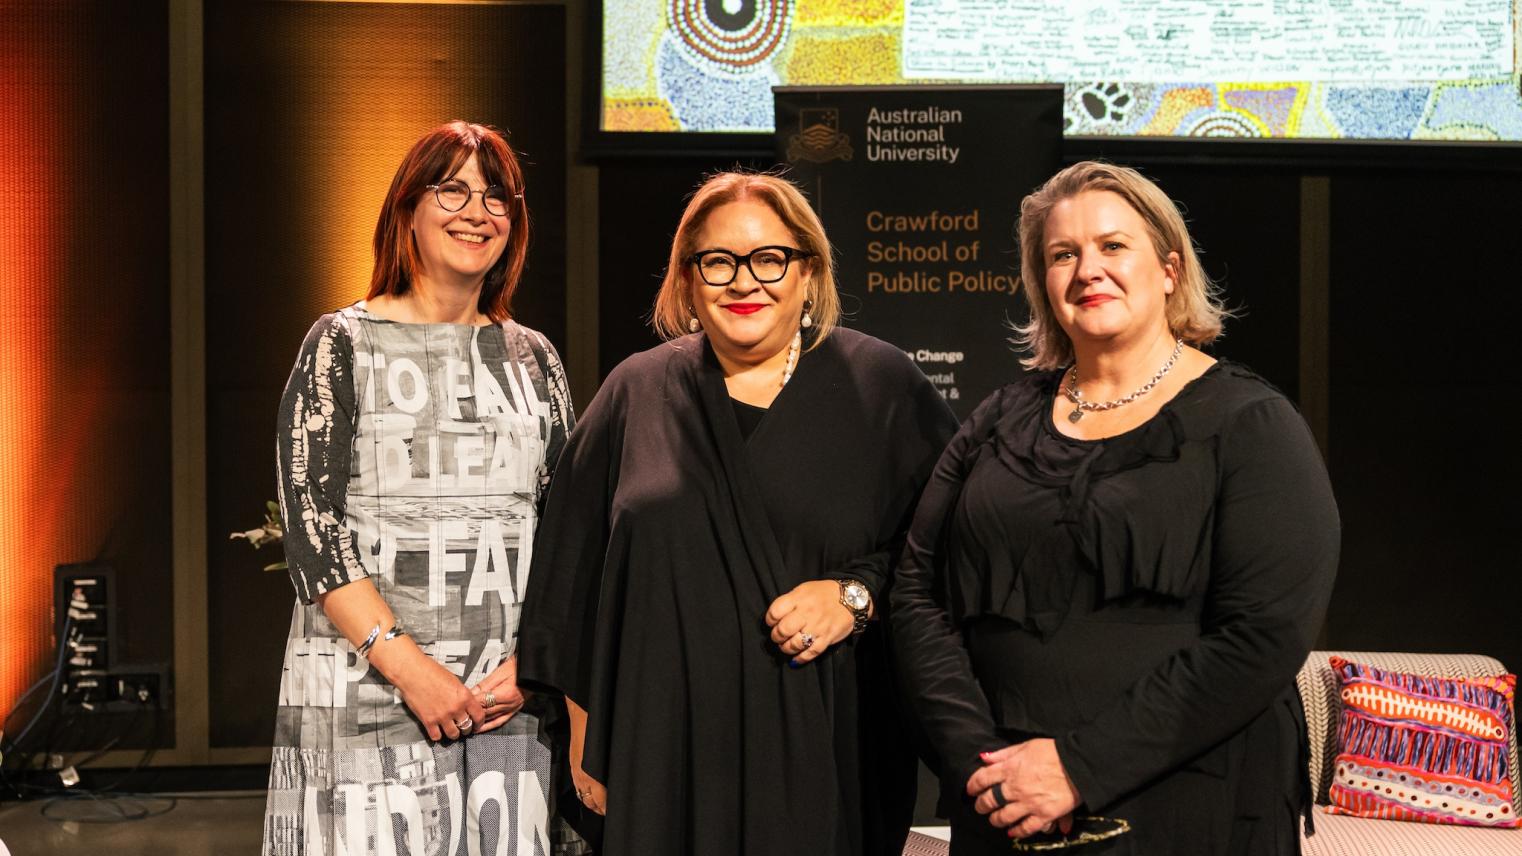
x=692 y=325
x=808 y=320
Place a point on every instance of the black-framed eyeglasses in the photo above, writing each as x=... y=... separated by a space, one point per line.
x=766 y=264
x=454 y=194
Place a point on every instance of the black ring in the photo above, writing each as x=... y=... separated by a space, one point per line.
x=999 y=798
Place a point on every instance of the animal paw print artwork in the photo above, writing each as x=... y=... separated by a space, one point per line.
x=1105 y=102
x=1104 y=107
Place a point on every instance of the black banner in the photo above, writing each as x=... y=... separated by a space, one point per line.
x=919 y=188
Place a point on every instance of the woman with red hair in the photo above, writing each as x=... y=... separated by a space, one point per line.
x=416 y=435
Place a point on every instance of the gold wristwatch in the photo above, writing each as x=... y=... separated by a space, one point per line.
x=855 y=597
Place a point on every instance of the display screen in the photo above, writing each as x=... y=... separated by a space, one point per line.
x=1429 y=70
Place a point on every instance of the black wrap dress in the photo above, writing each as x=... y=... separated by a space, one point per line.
x=1145 y=600
x=666 y=537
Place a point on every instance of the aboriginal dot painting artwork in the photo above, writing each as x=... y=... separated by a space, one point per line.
x=1438 y=70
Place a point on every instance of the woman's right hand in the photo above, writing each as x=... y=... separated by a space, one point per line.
x=590 y=791
x=434 y=695
x=1024 y=789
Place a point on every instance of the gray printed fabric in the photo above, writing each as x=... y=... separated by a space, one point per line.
x=412 y=455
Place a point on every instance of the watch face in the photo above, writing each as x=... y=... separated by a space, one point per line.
x=855 y=596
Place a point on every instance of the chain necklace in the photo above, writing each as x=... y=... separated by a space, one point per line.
x=1070 y=389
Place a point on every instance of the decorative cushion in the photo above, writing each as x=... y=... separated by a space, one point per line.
x=1428 y=749
x=1320 y=690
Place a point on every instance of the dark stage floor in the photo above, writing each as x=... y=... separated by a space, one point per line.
x=226 y=823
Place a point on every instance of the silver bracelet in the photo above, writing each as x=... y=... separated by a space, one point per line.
x=396 y=630
x=365 y=646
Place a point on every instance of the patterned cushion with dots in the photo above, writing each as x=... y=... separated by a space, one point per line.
x=1427 y=749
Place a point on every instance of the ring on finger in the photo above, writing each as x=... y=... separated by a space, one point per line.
x=465 y=724
x=1000 y=799
x=489 y=700
x=807 y=639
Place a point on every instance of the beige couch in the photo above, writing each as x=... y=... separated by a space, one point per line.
x=1339 y=835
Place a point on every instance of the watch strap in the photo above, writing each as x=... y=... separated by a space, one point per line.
x=859 y=617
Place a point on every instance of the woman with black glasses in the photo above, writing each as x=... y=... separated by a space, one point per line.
x=416 y=435
x=716 y=548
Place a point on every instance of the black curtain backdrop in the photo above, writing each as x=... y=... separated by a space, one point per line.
x=1425 y=307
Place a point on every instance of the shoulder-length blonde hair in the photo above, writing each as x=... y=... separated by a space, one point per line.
x=1194 y=310
x=673 y=303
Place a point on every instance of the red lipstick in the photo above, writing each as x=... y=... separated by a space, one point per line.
x=744 y=308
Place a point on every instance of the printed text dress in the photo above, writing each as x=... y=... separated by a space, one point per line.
x=413 y=455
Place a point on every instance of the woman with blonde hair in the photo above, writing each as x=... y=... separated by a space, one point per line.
x=719 y=536
x=1122 y=558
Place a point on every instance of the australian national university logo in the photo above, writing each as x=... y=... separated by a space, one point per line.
x=819 y=138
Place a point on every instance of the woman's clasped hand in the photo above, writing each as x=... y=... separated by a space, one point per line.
x=806 y=621
x=1024 y=789
x=499 y=696
x=444 y=707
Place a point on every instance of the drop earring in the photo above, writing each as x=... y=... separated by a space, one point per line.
x=692 y=324
x=808 y=320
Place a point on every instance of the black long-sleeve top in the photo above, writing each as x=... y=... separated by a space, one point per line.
x=1145 y=600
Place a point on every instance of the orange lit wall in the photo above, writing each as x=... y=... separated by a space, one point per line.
x=31 y=275
x=83 y=428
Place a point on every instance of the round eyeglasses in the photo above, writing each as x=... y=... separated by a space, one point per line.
x=454 y=194
x=766 y=264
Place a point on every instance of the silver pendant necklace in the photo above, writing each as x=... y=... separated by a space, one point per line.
x=1070 y=389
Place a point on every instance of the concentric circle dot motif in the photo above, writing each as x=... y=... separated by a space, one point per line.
x=1222 y=125
x=730 y=35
